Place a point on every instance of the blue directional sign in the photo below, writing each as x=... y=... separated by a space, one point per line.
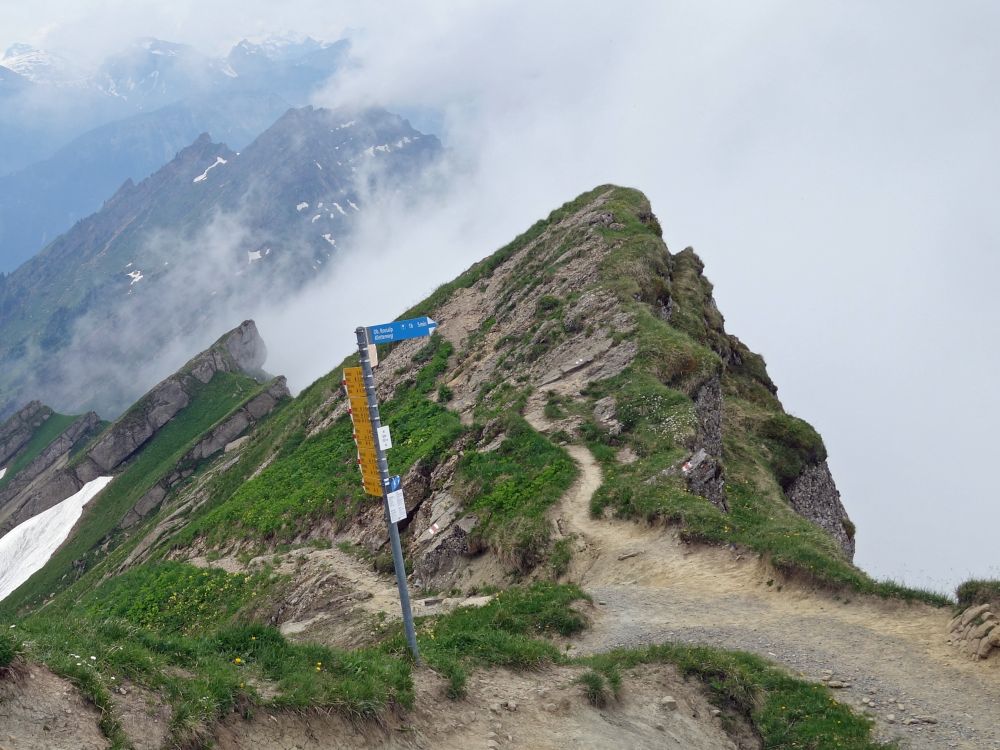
x=394 y=483
x=401 y=329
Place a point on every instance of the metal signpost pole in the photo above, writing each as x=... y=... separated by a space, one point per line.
x=383 y=469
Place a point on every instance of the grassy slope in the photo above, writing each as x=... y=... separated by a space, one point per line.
x=185 y=632
x=50 y=429
x=209 y=404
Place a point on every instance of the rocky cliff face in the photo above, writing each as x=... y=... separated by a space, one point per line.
x=815 y=496
x=54 y=478
x=217 y=440
x=18 y=429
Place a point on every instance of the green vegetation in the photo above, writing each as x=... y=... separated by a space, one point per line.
x=681 y=346
x=49 y=430
x=785 y=711
x=562 y=555
x=504 y=632
x=793 y=445
x=510 y=489
x=198 y=598
x=601 y=686
x=595 y=686
x=317 y=477
x=10 y=648
x=183 y=636
x=978 y=591
x=209 y=404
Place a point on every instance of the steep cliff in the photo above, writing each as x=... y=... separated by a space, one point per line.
x=56 y=474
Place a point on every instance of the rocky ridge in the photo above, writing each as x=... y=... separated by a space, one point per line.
x=53 y=476
x=16 y=431
x=585 y=341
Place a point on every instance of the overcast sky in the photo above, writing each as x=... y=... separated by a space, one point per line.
x=834 y=164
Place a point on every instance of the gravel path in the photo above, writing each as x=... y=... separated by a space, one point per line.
x=649 y=587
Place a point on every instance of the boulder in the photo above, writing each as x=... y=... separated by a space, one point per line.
x=973 y=612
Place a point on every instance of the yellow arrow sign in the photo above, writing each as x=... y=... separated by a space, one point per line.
x=354 y=383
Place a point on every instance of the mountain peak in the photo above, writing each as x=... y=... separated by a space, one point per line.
x=40 y=66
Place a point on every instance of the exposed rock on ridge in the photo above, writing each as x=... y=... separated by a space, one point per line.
x=17 y=431
x=54 y=456
x=214 y=442
x=814 y=495
x=239 y=351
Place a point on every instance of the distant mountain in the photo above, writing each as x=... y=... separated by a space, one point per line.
x=69 y=136
x=40 y=202
x=209 y=235
x=152 y=73
x=49 y=100
x=43 y=68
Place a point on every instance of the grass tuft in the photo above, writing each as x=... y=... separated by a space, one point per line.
x=978 y=591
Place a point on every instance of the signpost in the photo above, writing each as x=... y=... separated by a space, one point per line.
x=400 y=330
x=373 y=440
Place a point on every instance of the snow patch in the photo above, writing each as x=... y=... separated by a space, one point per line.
x=353 y=205
x=318 y=165
x=328 y=237
x=204 y=175
x=316 y=218
x=253 y=255
x=342 y=211
x=346 y=124
x=302 y=206
x=29 y=545
x=135 y=276
x=3 y=471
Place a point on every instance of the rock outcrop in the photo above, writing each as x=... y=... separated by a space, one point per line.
x=17 y=431
x=706 y=477
x=814 y=495
x=975 y=631
x=214 y=442
x=54 y=456
x=241 y=350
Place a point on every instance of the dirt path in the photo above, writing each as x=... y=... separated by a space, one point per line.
x=650 y=587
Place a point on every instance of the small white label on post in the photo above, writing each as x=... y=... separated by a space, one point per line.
x=384 y=438
x=397 y=507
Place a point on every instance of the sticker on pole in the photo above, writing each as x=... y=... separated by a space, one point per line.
x=384 y=438
x=397 y=507
x=399 y=330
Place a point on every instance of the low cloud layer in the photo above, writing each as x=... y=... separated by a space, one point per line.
x=834 y=166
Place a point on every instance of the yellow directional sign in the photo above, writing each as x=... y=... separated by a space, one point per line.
x=354 y=383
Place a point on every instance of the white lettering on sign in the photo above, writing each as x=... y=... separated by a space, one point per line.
x=384 y=438
x=397 y=507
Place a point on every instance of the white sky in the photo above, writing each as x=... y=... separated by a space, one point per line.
x=835 y=165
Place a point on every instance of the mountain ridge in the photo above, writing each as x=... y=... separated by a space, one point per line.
x=212 y=231
x=587 y=457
